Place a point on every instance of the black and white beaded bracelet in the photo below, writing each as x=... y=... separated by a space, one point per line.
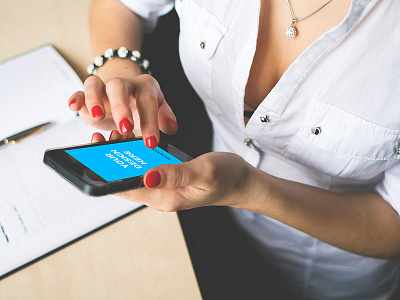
x=123 y=53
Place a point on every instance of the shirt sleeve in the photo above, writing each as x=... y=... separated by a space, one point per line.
x=389 y=187
x=149 y=10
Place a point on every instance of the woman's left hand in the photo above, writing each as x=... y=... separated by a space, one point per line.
x=212 y=179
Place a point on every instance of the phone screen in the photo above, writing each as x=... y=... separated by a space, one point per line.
x=121 y=160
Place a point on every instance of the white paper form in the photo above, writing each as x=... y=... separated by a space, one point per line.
x=39 y=210
x=34 y=88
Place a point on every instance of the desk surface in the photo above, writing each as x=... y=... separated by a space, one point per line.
x=142 y=256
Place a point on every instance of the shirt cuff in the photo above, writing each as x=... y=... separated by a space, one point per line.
x=149 y=11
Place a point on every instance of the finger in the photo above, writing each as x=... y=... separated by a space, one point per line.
x=118 y=95
x=115 y=135
x=172 y=176
x=148 y=99
x=95 y=97
x=77 y=101
x=160 y=199
x=129 y=135
x=98 y=137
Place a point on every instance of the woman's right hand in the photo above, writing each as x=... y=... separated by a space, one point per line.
x=125 y=104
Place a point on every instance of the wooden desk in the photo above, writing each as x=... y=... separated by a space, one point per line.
x=143 y=256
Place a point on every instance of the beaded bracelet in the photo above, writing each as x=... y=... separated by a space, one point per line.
x=123 y=53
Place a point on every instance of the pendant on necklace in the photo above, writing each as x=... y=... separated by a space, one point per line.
x=291 y=31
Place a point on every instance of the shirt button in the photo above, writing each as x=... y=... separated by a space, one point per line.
x=248 y=142
x=202 y=45
x=316 y=130
x=264 y=119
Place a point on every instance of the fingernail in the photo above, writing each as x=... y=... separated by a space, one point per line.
x=96 y=111
x=151 y=142
x=72 y=102
x=153 y=179
x=125 y=125
x=92 y=138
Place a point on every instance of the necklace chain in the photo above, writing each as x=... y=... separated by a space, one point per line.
x=291 y=31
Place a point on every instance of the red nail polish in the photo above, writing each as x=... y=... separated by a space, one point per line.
x=153 y=179
x=151 y=142
x=125 y=125
x=72 y=102
x=96 y=111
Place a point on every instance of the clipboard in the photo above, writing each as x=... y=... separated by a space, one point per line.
x=39 y=211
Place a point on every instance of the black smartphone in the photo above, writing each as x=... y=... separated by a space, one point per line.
x=110 y=167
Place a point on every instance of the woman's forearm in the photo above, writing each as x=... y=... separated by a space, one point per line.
x=113 y=25
x=361 y=223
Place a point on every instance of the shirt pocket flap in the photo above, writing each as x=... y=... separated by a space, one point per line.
x=200 y=37
x=206 y=31
x=345 y=133
x=340 y=143
x=211 y=37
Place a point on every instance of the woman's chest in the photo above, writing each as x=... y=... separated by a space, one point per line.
x=239 y=48
x=332 y=108
x=275 y=51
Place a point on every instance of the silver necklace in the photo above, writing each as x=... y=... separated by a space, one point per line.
x=291 y=31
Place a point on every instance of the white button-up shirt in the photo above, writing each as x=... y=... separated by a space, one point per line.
x=332 y=121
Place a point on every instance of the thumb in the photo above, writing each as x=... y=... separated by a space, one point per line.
x=170 y=176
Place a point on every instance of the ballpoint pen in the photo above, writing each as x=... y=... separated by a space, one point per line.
x=23 y=134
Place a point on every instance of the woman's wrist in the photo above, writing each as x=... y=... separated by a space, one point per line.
x=260 y=194
x=122 y=53
x=251 y=190
x=119 y=68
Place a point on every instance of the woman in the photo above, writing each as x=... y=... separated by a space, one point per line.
x=311 y=170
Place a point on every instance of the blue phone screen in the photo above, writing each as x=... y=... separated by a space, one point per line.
x=122 y=160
